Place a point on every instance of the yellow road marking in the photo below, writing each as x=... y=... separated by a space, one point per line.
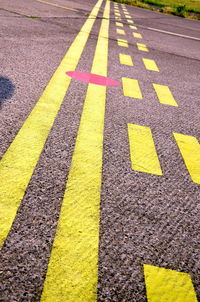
x=142 y=150
x=119 y=24
x=132 y=27
x=125 y=59
x=120 y=31
x=130 y=21
x=142 y=47
x=166 y=285
x=190 y=150
x=56 y=5
x=72 y=271
x=118 y=18
x=116 y=10
x=137 y=35
x=164 y=95
x=150 y=64
x=131 y=88
x=18 y=163
x=122 y=42
x=118 y=14
x=128 y=16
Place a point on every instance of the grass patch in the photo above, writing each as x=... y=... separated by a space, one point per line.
x=181 y=8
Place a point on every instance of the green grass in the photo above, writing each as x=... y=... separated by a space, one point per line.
x=182 y=8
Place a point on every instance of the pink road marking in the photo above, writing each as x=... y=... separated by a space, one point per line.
x=92 y=78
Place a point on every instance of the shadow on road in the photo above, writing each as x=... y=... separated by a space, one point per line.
x=6 y=89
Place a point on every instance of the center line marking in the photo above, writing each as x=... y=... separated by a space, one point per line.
x=19 y=161
x=73 y=267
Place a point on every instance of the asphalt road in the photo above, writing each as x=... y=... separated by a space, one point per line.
x=98 y=205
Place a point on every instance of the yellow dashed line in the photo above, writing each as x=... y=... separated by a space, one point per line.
x=125 y=59
x=137 y=35
x=164 y=95
x=142 y=150
x=120 y=31
x=119 y=24
x=72 y=271
x=130 y=21
x=190 y=150
x=118 y=18
x=132 y=27
x=118 y=14
x=142 y=47
x=168 y=285
x=150 y=64
x=128 y=16
x=122 y=42
x=131 y=88
x=18 y=163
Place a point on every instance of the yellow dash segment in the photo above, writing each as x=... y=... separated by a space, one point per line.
x=142 y=47
x=119 y=24
x=18 y=163
x=120 y=31
x=131 y=88
x=125 y=59
x=128 y=16
x=122 y=42
x=137 y=35
x=142 y=150
x=150 y=64
x=133 y=27
x=118 y=18
x=166 y=285
x=164 y=95
x=130 y=21
x=117 y=14
x=190 y=150
x=72 y=271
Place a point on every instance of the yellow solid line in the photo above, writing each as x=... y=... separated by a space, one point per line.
x=122 y=42
x=132 y=27
x=142 y=150
x=166 y=285
x=131 y=88
x=150 y=64
x=137 y=35
x=119 y=24
x=125 y=59
x=56 y=5
x=164 y=95
x=142 y=47
x=190 y=150
x=72 y=271
x=120 y=31
x=18 y=163
x=130 y=21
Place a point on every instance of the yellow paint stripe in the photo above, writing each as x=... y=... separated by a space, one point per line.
x=190 y=150
x=130 y=21
x=150 y=64
x=120 y=31
x=164 y=95
x=118 y=18
x=118 y=14
x=137 y=35
x=128 y=16
x=56 y=5
x=122 y=42
x=72 y=270
x=142 y=150
x=125 y=59
x=131 y=88
x=119 y=24
x=142 y=47
x=133 y=27
x=166 y=285
x=18 y=163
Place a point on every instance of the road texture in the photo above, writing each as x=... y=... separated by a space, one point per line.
x=99 y=191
